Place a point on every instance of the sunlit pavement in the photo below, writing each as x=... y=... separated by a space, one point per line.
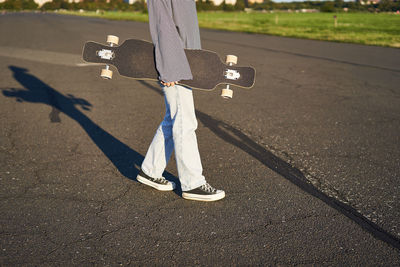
x=309 y=158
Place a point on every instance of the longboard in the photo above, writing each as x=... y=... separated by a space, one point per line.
x=135 y=59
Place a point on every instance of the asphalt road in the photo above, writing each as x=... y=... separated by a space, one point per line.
x=309 y=158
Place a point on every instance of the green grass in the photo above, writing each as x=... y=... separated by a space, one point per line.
x=113 y=15
x=364 y=28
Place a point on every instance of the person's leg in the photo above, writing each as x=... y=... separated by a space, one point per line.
x=184 y=124
x=160 y=149
x=158 y=155
x=193 y=183
x=177 y=131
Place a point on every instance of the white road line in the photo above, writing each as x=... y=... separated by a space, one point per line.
x=57 y=58
x=88 y=64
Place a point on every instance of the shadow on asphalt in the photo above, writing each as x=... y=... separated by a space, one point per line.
x=125 y=159
x=235 y=137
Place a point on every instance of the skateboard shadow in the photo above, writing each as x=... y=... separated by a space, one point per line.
x=124 y=158
x=237 y=138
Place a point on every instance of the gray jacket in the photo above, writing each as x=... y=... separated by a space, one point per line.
x=173 y=27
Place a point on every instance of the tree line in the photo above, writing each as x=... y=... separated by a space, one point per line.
x=207 y=5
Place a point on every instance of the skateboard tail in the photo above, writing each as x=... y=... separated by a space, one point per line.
x=243 y=77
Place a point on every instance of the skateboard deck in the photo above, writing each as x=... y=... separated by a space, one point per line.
x=135 y=59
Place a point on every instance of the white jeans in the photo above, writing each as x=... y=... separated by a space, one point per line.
x=176 y=131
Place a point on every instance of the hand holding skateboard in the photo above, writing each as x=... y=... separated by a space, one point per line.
x=168 y=84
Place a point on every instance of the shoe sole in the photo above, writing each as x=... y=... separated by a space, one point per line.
x=159 y=187
x=203 y=197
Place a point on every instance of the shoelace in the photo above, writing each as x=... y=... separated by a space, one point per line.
x=161 y=180
x=208 y=188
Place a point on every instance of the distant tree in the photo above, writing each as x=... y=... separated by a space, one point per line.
x=338 y=4
x=140 y=6
x=19 y=5
x=386 y=6
x=240 y=5
x=226 y=7
x=205 y=5
x=328 y=6
x=355 y=6
x=267 y=5
x=29 y=4
x=53 y=5
x=117 y=5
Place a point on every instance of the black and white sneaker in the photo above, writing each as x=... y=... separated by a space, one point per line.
x=204 y=193
x=161 y=183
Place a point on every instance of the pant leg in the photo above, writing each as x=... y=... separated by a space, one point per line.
x=183 y=133
x=179 y=123
x=161 y=147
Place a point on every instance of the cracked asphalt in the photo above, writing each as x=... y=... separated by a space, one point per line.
x=309 y=158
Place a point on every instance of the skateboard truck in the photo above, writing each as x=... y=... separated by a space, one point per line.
x=232 y=74
x=231 y=60
x=105 y=54
x=108 y=54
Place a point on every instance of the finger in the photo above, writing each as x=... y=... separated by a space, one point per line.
x=168 y=83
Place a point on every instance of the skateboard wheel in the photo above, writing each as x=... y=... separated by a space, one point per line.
x=112 y=39
x=231 y=59
x=106 y=74
x=227 y=93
